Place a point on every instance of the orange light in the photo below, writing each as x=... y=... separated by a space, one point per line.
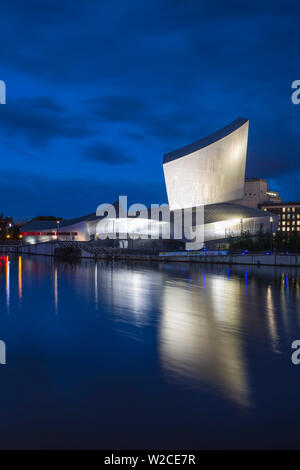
x=7 y=236
x=20 y=236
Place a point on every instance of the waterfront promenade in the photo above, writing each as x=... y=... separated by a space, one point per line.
x=73 y=250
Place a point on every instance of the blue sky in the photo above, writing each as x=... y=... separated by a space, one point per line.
x=97 y=91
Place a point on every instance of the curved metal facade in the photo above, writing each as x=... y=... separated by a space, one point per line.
x=210 y=171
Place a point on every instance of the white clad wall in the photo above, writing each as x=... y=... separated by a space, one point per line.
x=213 y=174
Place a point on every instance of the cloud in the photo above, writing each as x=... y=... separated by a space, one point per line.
x=47 y=103
x=27 y=195
x=118 y=108
x=39 y=120
x=150 y=76
x=143 y=119
x=105 y=153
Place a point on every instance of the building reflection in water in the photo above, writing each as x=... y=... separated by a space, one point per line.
x=20 y=278
x=132 y=292
x=96 y=286
x=203 y=318
x=55 y=290
x=7 y=281
x=199 y=336
x=271 y=320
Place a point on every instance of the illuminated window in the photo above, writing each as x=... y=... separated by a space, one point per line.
x=283 y=216
x=293 y=209
x=288 y=229
x=283 y=229
x=288 y=209
x=298 y=222
x=283 y=223
x=283 y=209
x=293 y=222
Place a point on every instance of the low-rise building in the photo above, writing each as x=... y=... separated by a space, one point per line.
x=257 y=192
x=289 y=216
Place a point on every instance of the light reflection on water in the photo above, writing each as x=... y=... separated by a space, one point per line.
x=200 y=326
x=199 y=337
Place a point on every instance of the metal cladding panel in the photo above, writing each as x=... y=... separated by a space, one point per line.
x=212 y=174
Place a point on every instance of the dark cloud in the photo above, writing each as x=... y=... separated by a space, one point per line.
x=45 y=103
x=150 y=121
x=40 y=120
x=105 y=153
x=27 y=195
x=148 y=77
x=118 y=108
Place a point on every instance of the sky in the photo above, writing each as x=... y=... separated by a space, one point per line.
x=98 y=91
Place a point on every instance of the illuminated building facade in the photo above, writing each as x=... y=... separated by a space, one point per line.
x=208 y=175
x=288 y=214
x=257 y=192
x=209 y=171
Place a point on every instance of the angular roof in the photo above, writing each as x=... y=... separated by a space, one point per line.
x=210 y=139
x=226 y=211
x=38 y=225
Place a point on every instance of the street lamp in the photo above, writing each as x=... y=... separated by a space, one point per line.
x=58 y=222
x=271 y=225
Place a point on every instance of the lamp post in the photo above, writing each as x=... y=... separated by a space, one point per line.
x=58 y=222
x=271 y=226
x=241 y=221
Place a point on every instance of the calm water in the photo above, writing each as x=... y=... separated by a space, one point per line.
x=148 y=356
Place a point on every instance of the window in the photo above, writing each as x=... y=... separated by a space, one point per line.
x=293 y=209
x=283 y=209
x=283 y=223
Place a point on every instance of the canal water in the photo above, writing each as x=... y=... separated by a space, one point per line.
x=151 y=356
